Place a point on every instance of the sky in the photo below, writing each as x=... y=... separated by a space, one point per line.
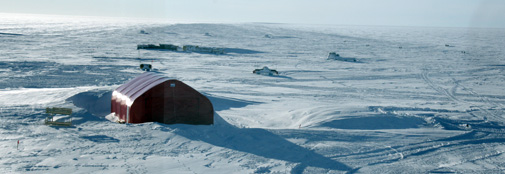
x=438 y=13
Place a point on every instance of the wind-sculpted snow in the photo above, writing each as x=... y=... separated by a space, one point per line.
x=410 y=104
x=225 y=103
x=376 y=122
x=96 y=102
x=259 y=142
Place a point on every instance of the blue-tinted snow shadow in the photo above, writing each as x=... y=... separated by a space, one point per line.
x=83 y=116
x=224 y=103
x=95 y=106
x=260 y=142
x=95 y=102
x=11 y=34
x=276 y=76
x=374 y=122
x=498 y=65
x=100 y=139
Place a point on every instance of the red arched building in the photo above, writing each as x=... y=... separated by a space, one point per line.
x=151 y=97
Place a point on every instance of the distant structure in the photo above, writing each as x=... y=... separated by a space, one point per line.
x=185 y=48
x=60 y=111
x=158 y=47
x=335 y=56
x=266 y=71
x=143 y=32
x=151 y=97
x=199 y=49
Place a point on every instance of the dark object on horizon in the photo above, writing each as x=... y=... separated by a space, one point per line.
x=143 y=32
x=400 y=47
x=335 y=56
x=185 y=48
x=266 y=71
x=146 y=67
x=152 y=97
x=160 y=46
x=11 y=34
x=199 y=49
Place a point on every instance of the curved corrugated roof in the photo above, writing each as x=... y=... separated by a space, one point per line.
x=137 y=86
x=147 y=87
x=120 y=88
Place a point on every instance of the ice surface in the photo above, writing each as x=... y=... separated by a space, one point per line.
x=420 y=108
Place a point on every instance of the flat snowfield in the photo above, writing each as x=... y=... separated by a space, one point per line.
x=417 y=100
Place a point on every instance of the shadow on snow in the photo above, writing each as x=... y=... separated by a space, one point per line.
x=260 y=142
x=224 y=103
x=379 y=121
x=100 y=139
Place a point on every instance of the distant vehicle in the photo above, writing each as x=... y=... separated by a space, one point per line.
x=146 y=67
x=266 y=71
x=335 y=56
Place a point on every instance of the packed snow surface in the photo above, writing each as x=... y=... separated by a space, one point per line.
x=409 y=105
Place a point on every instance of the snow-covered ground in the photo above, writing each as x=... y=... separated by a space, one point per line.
x=410 y=104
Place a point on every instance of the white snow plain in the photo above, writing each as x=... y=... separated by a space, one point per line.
x=410 y=104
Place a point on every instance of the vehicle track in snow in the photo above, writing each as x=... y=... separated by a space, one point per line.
x=496 y=116
x=466 y=142
x=480 y=134
x=472 y=160
x=451 y=94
